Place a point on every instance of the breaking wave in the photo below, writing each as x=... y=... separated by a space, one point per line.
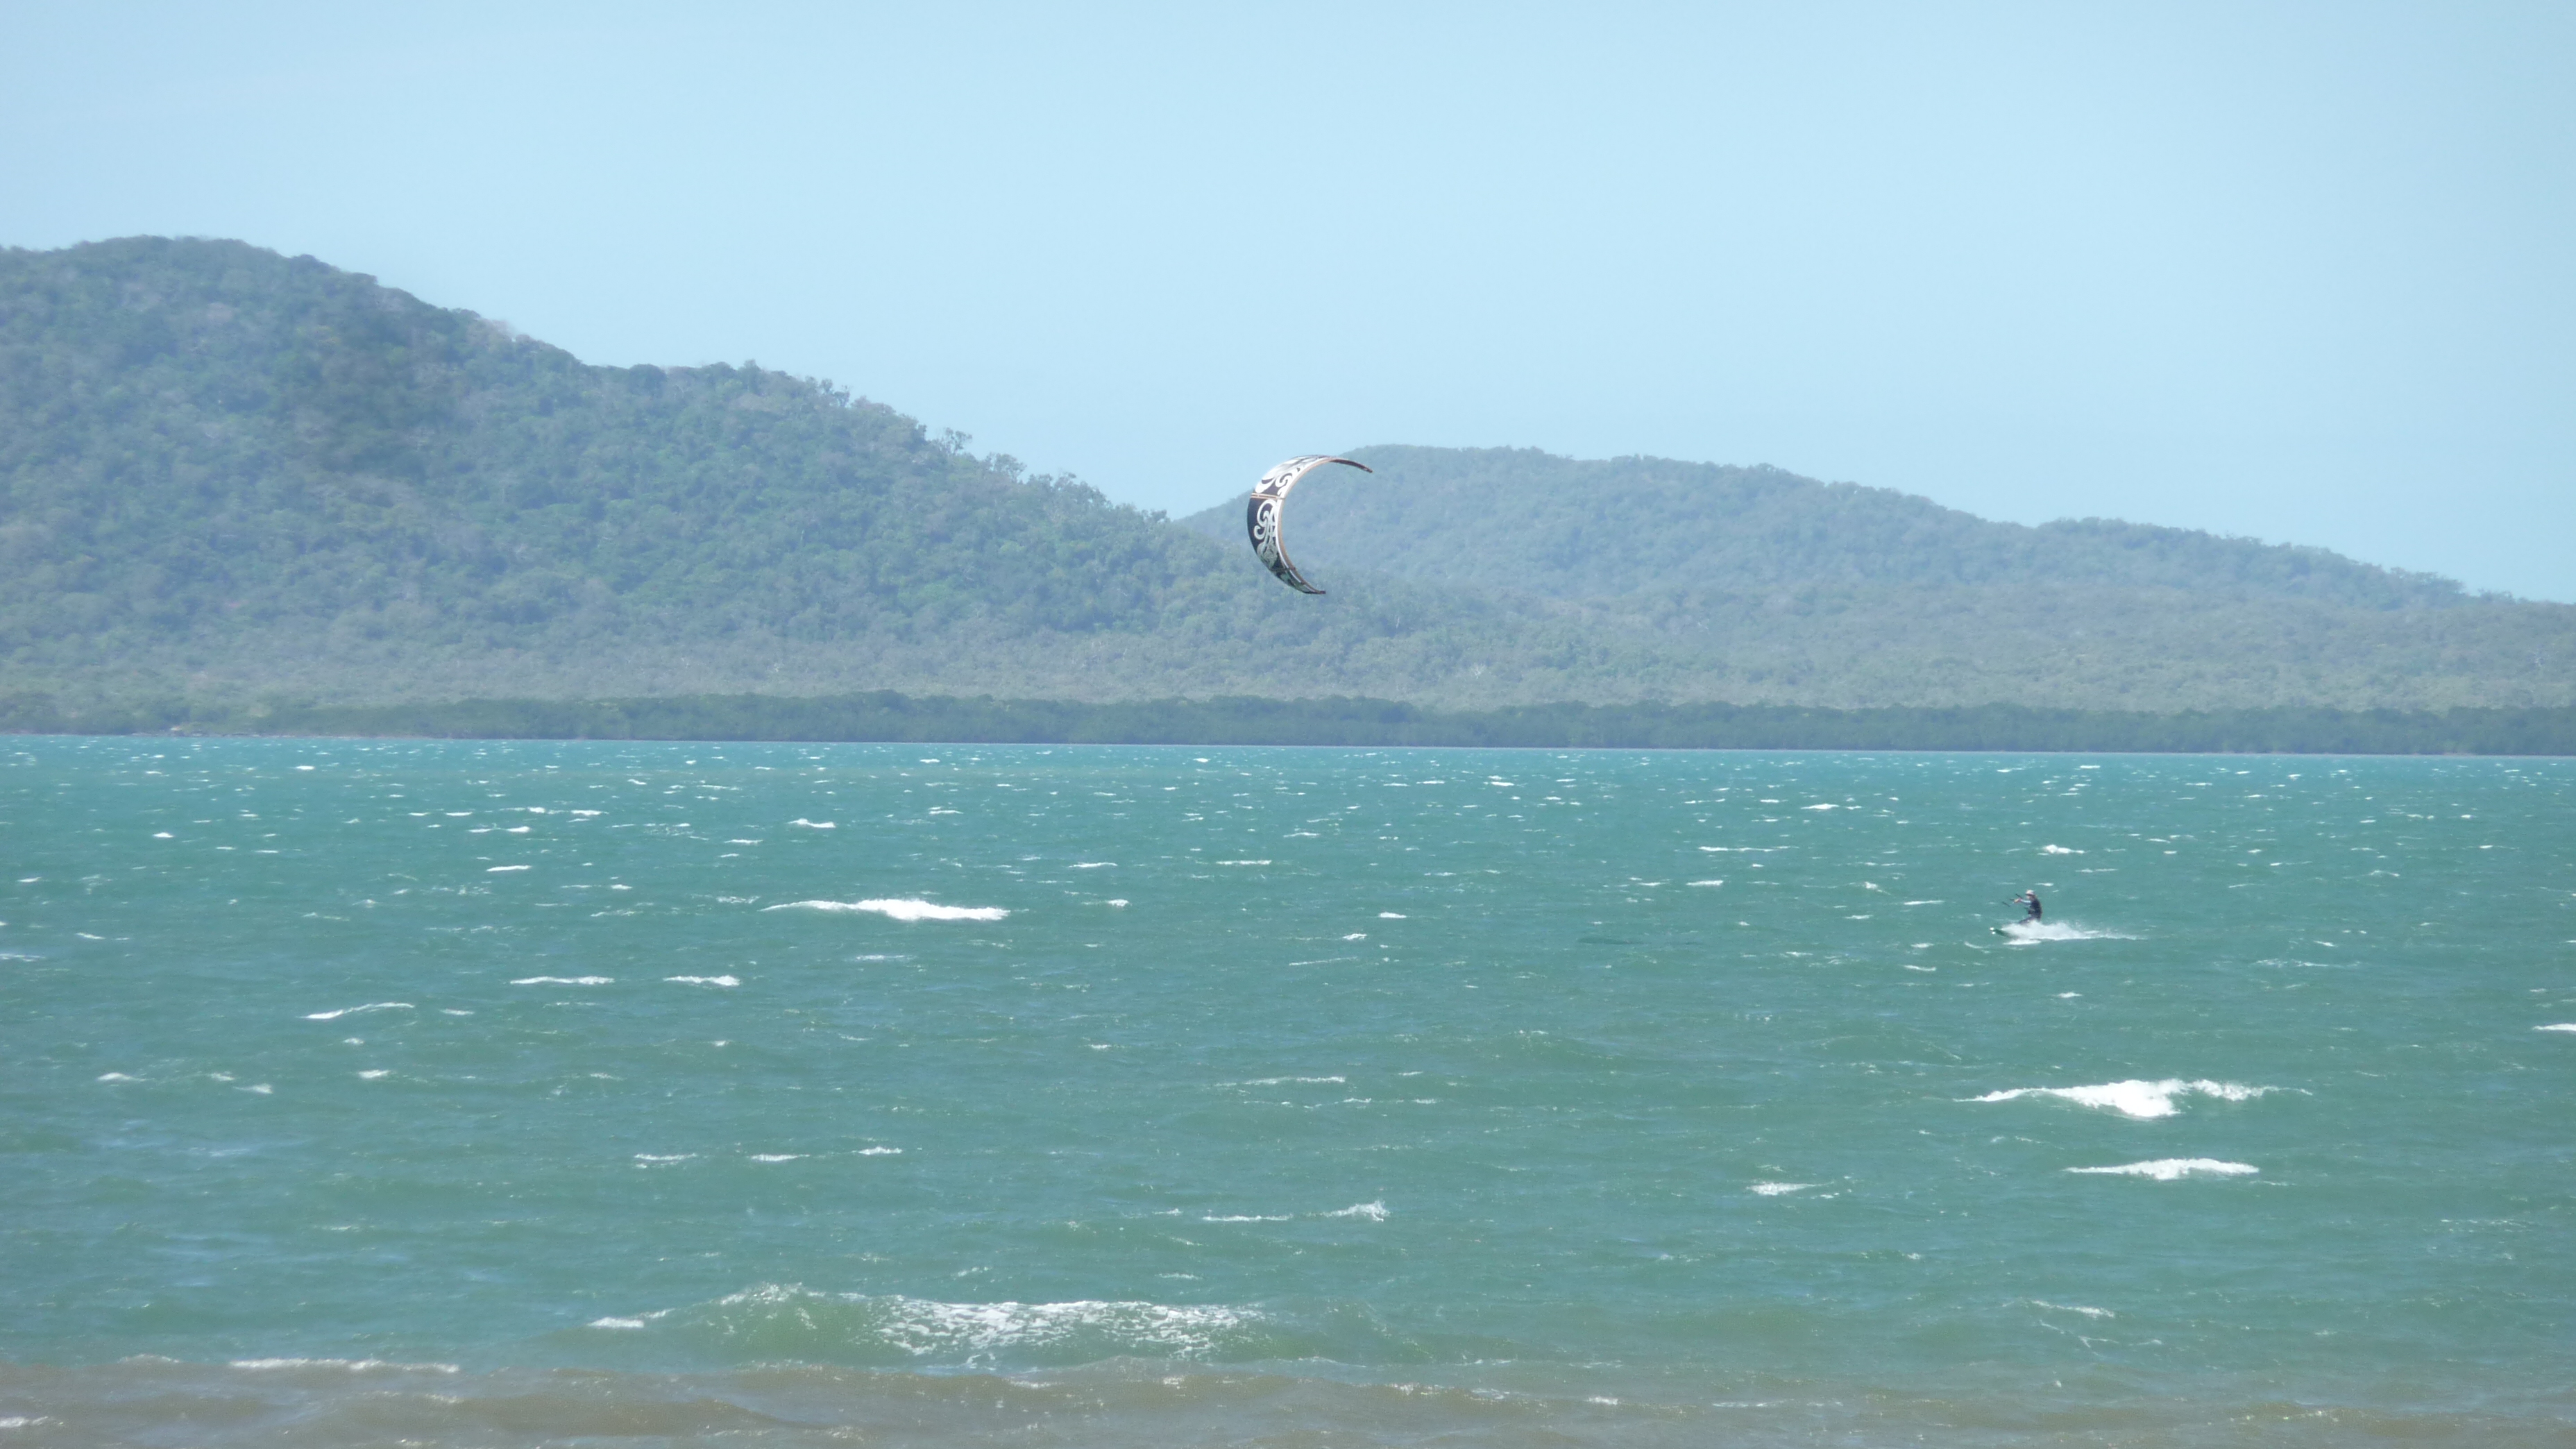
x=2169 y=1169
x=776 y=1323
x=2140 y=1099
x=900 y=910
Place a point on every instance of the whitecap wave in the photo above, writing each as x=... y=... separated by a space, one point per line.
x=2169 y=1169
x=346 y=1365
x=705 y=980
x=2557 y=1026
x=357 y=1010
x=1776 y=1189
x=565 y=981
x=900 y=910
x=2143 y=1100
x=2088 y=1312
x=1373 y=1211
x=922 y=1328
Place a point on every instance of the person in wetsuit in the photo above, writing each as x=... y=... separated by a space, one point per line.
x=2029 y=903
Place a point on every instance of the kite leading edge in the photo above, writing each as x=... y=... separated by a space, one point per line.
x=1261 y=514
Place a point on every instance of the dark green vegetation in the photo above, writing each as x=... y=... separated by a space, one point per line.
x=1653 y=528
x=228 y=476
x=1238 y=720
x=1852 y=596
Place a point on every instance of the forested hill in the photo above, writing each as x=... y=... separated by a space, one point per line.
x=226 y=474
x=1574 y=528
x=225 y=468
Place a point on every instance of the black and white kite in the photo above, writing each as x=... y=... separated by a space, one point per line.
x=1261 y=516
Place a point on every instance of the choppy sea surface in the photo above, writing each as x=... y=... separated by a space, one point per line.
x=439 y=1093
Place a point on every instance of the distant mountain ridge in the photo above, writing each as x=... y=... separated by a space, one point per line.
x=226 y=474
x=1582 y=529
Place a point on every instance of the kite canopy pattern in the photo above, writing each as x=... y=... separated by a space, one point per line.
x=1261 y=515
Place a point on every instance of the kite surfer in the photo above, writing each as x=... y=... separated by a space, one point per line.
x=2030 y=908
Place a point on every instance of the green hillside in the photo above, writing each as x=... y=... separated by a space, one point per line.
x=228 y=475
x=1573 y=528
x=227 y=470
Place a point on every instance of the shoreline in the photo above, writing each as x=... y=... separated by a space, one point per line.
x=892 y=718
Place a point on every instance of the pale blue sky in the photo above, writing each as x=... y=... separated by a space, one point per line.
x=2300 y=271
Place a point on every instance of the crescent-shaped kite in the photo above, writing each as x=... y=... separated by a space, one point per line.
x=1261 y=515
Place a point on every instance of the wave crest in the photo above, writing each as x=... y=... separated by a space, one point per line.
x=2169 y=1169
x=2143 y=1100
x=779 y=1323
x=900 y=910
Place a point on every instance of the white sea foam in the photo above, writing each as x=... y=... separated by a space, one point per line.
x=2071 y=1308
x=348 y=1365
x=1241 y=862
x=1093 y=864
x=497 y=869
x=880 y=1152
x=2058 y=850
x=900 y=910
x=779 y=1156
x=2143 y=1100
x=705 y=980
x=647 y=1159
x=801 y=823
x=1389 y=916
x=2168 y=1169
x=117 y=1077
x=565 y=981
x=2557 y=1026
x=2022 y=933
x=1708 y=882
x=374 y=1074
x=617 y=1323
x=1775 y=1189
x=1373 y=1211
x=929 y=1329
x=1115 y=902
x=356 y=1010
x=1250 y=1218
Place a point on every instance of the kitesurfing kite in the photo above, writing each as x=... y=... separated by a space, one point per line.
x=1261 y=516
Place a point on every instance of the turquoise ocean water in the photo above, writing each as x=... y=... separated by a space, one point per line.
x=366 y=1092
